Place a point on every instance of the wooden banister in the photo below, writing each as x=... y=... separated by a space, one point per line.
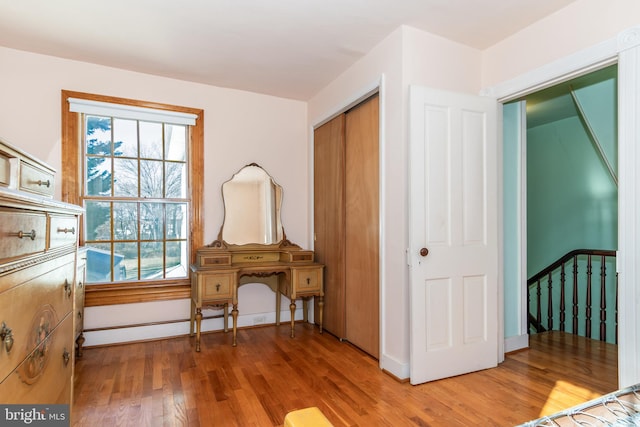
x=582 y=297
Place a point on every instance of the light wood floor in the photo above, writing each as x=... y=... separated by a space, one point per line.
x=166 y=383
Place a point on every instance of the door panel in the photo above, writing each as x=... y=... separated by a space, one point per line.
x=453 y=214
x=329 y=152
x=362 y=227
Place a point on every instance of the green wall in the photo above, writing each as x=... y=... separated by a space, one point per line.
x=571 y=198
x=572 y=201
x=511 y=170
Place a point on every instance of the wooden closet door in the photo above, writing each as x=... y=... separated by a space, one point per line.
x=362 y=227
x=329 y=245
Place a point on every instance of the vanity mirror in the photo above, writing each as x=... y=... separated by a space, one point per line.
x=252 y=247
x=252 y=203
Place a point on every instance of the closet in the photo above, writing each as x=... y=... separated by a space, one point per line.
x=346 y=223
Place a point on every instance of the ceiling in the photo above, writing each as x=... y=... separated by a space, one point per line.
x=285 y=48
x=557 y=103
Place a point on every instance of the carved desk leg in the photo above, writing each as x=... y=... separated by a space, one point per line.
x=292 y=307
x=321 y=310
x=198 y=322
x=278 y=303
x=192 y=321
x=234 y=313
x=226 y=316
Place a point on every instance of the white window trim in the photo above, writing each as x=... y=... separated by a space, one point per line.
x=122 y=111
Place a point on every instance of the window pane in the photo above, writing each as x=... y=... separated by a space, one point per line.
x=98 y=179
x=98 y=135
x=150 y=178
x=125 y=137
x=151 y=140
x=175 y=142
x=176 y=221
x=176 y=180
x=136 y=199
x=125 y=221
x=125 y=177
x=176 y=259
x=125 y=261
x=97 y=220
x=98 y=262
x=151 y=260
x=151 y=221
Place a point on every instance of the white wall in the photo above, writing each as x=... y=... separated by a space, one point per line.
x=240 y=128
x=580 y=25
x=407 y=56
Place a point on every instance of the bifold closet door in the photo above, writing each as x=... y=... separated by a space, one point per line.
x=329 y=241
x=362 y=290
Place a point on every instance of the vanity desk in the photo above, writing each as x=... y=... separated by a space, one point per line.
x=252 y=248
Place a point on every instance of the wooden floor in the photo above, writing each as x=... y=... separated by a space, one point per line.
x=166 y=383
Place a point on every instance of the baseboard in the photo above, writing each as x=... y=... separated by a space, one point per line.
x=139 y=333
x=516 y=343
x=395 y=368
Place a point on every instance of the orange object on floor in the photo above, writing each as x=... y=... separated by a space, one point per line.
x=308 y=417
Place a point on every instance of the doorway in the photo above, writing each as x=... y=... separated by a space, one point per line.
x=562 y=184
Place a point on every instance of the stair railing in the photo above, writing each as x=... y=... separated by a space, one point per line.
x=551 y=282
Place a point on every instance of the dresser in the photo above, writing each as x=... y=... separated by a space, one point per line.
x=38 y=275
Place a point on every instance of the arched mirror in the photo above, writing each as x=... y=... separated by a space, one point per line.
x=252 y=203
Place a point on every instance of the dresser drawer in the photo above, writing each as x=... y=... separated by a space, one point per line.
x=78 y=304
x=307 y=280
x=22 y=233
x=34 y=307
x=44 y=375
x=5 y=170
x=218 y=286
x=63 y=230
x=36 y=180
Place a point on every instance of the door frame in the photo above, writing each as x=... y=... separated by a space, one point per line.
x=377 y=86
x=625 y=51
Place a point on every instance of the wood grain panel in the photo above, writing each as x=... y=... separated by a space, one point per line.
x=362 y=226
x=329 y=164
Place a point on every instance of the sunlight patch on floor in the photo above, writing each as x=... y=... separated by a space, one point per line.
x=565 y=395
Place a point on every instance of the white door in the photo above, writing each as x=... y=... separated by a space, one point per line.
x=453 y=216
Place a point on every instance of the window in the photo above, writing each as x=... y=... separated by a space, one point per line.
x=139 y=178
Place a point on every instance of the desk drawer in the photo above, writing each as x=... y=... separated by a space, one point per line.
x=307 y=280
x=36 y=180
x=22 y=233
x=218 y=286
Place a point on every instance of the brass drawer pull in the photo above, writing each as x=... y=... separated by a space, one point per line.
x=42 y=183
x=218 y=287
x=308 y=280
x=7 y=336
x=66 y=230
x=22 y=234
x=66 y=357
x=67 y=288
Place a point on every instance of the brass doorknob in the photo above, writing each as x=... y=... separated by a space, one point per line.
x=424 y=252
